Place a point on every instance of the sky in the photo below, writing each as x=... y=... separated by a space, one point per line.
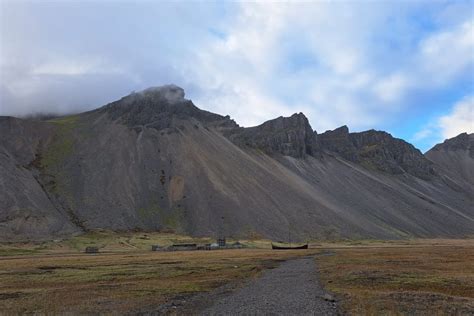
x=405 y=67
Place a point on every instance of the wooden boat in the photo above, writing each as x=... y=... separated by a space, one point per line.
x=289 y=247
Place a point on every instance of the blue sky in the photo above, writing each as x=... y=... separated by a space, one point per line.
x=406 y=67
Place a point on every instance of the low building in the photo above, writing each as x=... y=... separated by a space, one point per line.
x=92 y=250
x=182 y=247
x=221 y=242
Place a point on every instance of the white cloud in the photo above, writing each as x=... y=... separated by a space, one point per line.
x=338 y=62
x=391 y=88
x=459 y=120
x=244 y=77
x=438 y=60
x=445 y=54
x=74 y=68
x=344 y=85
x=424 y=133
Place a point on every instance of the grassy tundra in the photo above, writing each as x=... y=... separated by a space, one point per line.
x=421 y=277
x=424 y=276
x=125 y=277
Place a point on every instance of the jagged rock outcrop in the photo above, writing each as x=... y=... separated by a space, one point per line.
x=339 y=141
x=378 y=150
x=154 y=161
x=463 y=142
x=158 y=108
x=293 y=136
x=456 y=156
x=289 y=136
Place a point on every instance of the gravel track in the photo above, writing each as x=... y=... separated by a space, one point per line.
x=293 y=288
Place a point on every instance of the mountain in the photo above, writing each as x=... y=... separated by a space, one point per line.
x=378 y=150
x=456 y=157
x=154 y=161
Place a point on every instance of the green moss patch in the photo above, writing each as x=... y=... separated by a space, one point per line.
x=62 y=145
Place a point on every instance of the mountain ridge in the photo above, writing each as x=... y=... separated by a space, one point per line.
x=153 y=160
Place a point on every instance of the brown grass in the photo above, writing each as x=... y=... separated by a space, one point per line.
x=429 y=277
x=122 y=282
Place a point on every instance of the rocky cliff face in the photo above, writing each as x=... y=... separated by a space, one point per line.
x=378 y=150
x=154 y=161
x=159 y=108
x=293 y=136
x=288 y=136
x=464 y=142
x=456 y=157
x=339 y=141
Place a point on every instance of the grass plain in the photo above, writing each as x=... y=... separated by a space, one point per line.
x=415 y=277
x=368 y=277
x=125 y=277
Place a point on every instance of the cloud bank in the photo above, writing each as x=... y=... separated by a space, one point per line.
x=400 y=66
x=459 y=120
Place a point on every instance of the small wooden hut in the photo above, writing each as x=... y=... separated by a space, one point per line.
x=183 y=247
x=92 y=249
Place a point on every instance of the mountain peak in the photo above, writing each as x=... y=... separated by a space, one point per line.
x=463 y=141
x=157 y=107
x=340 y=130
x=171 y=93
x=456 y=155
x=297 y=120
x=378 y=150
x=152 y=161
x=289 y=136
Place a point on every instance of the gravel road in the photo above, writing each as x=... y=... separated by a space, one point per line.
x=292 y=288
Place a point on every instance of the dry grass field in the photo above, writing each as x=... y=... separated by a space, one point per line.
x=55 y=277
x=428 y=277
x=122 y=282
x=420 y=277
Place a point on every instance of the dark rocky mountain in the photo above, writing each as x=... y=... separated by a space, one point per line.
x=157 y=108
x=463 y=143
x=378 y=150
x=456 y=157
x=289 y=136
x=153 y=161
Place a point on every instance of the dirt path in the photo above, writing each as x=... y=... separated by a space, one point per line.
x=292 y=288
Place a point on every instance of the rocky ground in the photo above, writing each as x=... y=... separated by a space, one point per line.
x=293 y=288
